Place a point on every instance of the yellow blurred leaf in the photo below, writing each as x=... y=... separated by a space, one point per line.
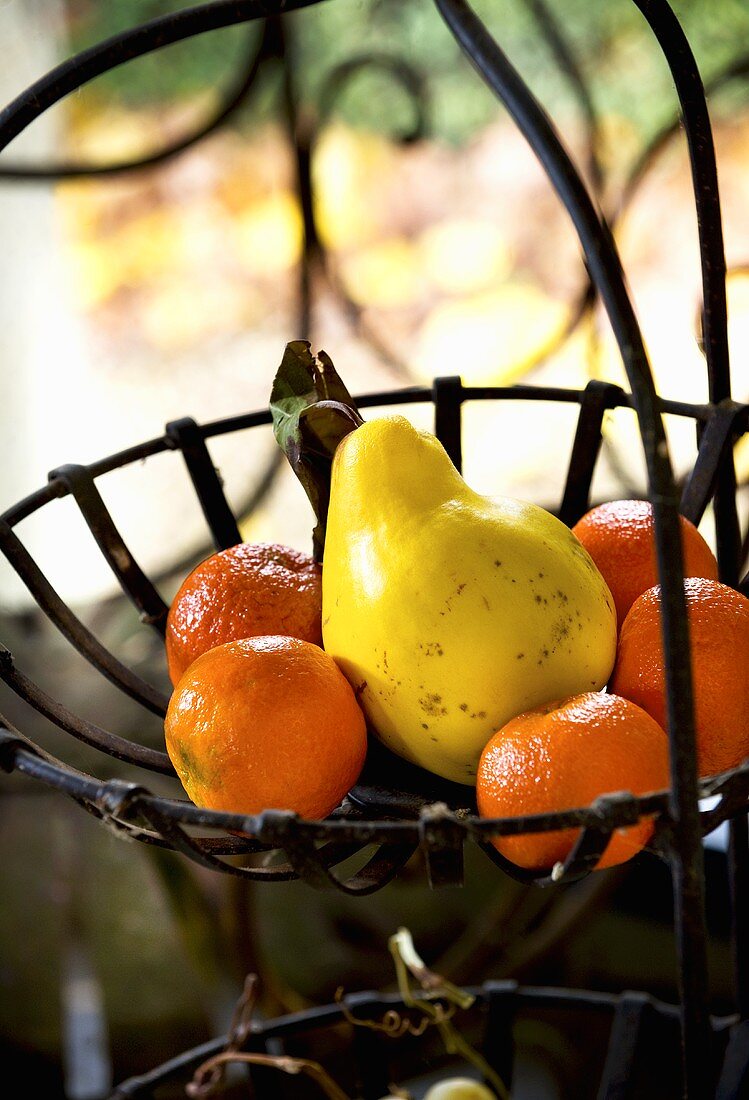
x=489 y=338
x=141 y=250
x=95 y=277
x=106 y=135
x=385 y=275
x=348 y=168
x=268 y=235
x=741 y=458
x=464 y=255
x=619 y=139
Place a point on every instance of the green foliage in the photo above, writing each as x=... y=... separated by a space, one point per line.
x=610 y=40
x=182 y=70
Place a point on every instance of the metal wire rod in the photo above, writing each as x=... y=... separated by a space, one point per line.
x=136 y=42
x=606 y=272
x=236 y=96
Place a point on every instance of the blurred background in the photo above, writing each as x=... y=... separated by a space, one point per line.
x=430 y=243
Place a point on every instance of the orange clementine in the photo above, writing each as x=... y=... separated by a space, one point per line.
x=245 y=591
x=718 y=618
x=620 y=538
x=266 y=723
x=563 y=755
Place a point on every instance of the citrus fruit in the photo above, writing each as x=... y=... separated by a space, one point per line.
x=562 y=756
x=620 y=538
x=245 y=591
x=265 y=723
x=718 y=618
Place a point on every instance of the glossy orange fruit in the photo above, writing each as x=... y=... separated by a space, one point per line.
x=248 y=590
x=266 y=723
x=718 y=618
x=562 y=756
x=620 y=538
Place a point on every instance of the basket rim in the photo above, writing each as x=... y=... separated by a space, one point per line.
x=368 y=1003
x=55 y=489
x=428 y=825
x=129 y=809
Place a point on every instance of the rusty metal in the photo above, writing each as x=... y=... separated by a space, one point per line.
x=418 y=813
x=367 y=1053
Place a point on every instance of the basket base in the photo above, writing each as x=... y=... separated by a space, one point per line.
x=391 y=786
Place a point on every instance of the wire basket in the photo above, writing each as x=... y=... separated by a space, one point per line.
x=383 y=823
x=418 y=810
x=365 y=1061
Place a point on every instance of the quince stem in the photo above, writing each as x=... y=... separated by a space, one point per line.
x=312 y=412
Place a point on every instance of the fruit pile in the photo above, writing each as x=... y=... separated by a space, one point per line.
x=480 y=639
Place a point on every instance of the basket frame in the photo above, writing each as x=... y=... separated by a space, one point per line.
x=713 y=478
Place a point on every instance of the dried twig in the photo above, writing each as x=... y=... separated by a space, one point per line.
x=204 y=1079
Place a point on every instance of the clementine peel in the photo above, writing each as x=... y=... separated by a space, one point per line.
x=562 y=756
x=266 y=723
x=248 y=590
x=718 y=618
x=620 y=538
